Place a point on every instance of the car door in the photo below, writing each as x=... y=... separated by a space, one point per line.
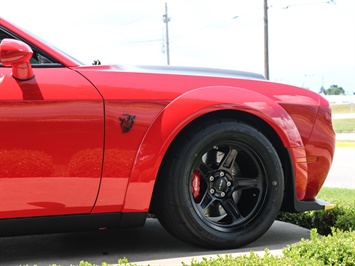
x=51 y=129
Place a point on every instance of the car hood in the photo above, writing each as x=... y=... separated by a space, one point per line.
x=163 y=79
x=198 y=71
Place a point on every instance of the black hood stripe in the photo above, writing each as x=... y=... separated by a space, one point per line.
x=198 y=71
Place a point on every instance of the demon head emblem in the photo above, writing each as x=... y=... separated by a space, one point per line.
x=127 y=122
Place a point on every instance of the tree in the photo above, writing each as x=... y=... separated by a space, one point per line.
x=335 y=90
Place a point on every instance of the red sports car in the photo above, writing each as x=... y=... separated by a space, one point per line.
x=213 y=154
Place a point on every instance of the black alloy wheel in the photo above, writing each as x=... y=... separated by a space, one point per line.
x=222 y=188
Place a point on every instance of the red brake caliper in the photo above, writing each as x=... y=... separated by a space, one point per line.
x=196 y=182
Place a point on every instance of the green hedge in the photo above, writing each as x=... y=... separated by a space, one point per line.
x=341 y=217
x=335 y=249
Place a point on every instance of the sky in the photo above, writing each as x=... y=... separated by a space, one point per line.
x=311 y=42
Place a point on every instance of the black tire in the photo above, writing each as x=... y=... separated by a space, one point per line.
x=221 y=186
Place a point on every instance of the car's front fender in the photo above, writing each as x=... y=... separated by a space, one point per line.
x=183 y=111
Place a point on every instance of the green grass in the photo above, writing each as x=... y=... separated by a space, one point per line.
x=344 y=125
x=331 y=194
x=343 y=108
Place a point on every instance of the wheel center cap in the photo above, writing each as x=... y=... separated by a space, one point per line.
x=220 y=184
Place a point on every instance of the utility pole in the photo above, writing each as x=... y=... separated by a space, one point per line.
x=166 y=20
x=266 y=40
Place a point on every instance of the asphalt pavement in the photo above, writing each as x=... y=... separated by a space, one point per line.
x=342 y=171
x=148 y=245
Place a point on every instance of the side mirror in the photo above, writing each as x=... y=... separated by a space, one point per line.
x=17 y=54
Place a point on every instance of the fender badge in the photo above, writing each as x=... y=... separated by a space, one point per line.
x=127 y=122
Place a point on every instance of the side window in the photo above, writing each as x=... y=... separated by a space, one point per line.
x=37 y=59
x=4 y=35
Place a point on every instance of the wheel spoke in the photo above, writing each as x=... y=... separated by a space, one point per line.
x=231 y=209
x=204 y=169
x=205 y=202
x=247 y=183
x=229 y=159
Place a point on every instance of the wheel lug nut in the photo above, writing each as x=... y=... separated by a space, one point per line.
x=211 y=178
x=212 y=191
x=221 y=174
x=229 y=183
x=223 y=194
